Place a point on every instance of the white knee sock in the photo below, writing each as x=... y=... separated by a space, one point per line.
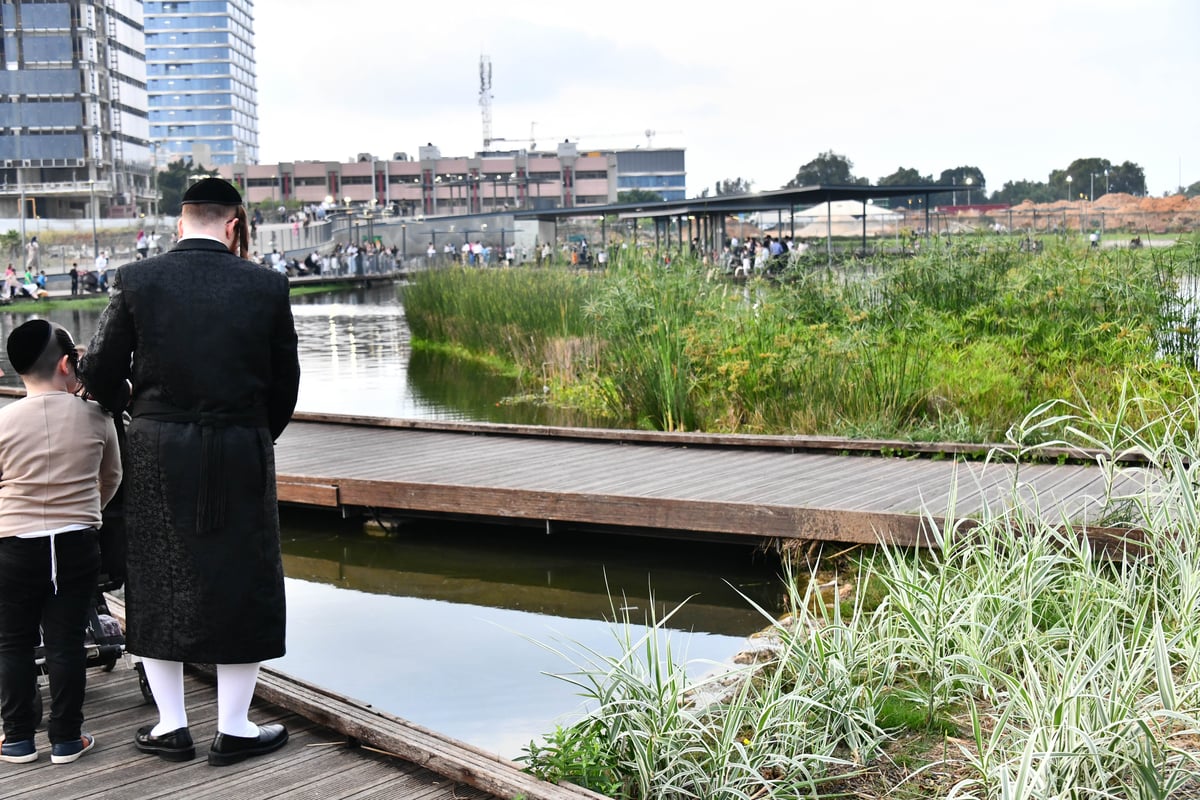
x=235 y=690
x=166 y=682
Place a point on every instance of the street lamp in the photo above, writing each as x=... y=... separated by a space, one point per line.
x=1106 y=180
x=95 y=237
x=968 y=181
x=1068 y=187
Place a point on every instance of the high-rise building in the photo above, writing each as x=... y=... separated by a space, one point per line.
x=201 y=76
x=73 y=110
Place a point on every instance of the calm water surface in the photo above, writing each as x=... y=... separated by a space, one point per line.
x=438 y=622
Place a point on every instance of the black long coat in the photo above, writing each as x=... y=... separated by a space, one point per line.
x=208 y=341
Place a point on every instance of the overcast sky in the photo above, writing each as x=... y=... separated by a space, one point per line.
x=1017 y=88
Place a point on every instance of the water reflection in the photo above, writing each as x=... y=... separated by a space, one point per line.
x=439 y=623
x=356 y=359
x=570 y=575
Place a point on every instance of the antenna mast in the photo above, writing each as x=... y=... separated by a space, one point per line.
x=485 y=98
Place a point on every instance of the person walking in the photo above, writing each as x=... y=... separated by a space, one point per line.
x=33 y=255
x=208 y=342
x=59 y=466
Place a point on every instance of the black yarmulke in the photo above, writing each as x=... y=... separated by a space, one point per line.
x=214 y=191
x=27 y=343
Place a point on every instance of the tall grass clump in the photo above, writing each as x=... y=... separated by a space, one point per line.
x=1014 y=659
x=644 y=320
x=498 y=312
x=776 y=732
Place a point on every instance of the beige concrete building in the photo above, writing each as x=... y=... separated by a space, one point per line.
x=432 y=185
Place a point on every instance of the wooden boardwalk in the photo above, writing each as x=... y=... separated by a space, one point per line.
x=338 y=749
x=316 y=762
x=694 y=485
x=723 y=486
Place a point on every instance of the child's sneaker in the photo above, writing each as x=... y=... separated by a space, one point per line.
x=66 y=752
x=21 y=752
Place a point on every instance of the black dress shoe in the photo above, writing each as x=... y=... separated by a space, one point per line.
x=174 y=746
x=228 y=749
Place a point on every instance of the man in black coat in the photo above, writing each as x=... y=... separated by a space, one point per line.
x=207 y=339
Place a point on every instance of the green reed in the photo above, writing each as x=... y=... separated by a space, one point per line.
x=504 y=312
x=950 y=344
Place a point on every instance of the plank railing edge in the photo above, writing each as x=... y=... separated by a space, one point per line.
x=439 y=753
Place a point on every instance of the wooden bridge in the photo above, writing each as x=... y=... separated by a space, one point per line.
x=731 y=487
x=721 y=486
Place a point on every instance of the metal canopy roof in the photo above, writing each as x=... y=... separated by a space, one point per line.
x=779 y=199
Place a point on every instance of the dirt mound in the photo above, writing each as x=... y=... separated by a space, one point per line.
x=1117 y=210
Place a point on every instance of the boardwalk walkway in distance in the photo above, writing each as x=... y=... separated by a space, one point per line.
x=749 y=487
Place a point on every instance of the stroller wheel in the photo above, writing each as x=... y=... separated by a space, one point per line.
x=143 y=684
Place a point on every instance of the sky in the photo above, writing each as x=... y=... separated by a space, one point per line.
x=1016 y=88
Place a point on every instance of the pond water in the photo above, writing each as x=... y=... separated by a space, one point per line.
x=448 y=625
x=356 y=359
x=440 y=622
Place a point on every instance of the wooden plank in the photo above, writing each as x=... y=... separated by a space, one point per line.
x=316 y=762
x=793 y=442
x=308 y=494
x=411 y=742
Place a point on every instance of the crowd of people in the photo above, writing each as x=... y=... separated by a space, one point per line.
x=744 y=258
x=344 y=258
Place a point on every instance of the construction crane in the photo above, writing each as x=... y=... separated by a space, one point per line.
x=576 y=137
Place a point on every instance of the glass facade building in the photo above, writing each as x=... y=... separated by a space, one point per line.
x=73 y=118
x=203 y=101
x=657 y=170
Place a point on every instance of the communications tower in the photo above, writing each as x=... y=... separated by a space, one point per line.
x=485 y=98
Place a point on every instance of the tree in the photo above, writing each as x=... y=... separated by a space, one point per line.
x=639 y=196
x=173 y=182
x=905 y=176
x=1015 y=192
x=1193 y=190
x=972 y=182
x=1127 y=177
x=10 y=242
x=1088 y=179
x=829 y=169
x=734 y=186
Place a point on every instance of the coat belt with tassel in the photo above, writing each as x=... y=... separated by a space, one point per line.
x=210 y=499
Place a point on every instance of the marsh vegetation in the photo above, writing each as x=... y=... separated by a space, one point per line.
x=955 y=344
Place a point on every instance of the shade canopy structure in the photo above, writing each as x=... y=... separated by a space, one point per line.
x=709 y=213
